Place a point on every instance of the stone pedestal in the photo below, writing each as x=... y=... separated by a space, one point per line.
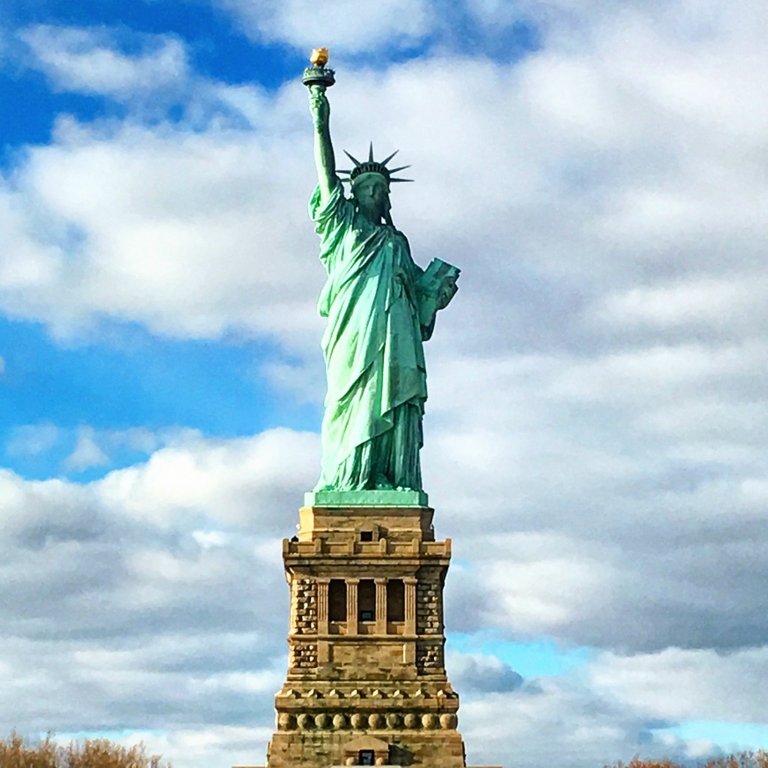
x=366 y=682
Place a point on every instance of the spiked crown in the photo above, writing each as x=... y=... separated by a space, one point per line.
x=373 y=166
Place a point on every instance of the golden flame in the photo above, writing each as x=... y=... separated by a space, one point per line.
x=319 y=57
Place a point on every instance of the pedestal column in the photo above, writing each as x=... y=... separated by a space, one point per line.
x=352 y=606
x=410 y=606
x=322 y=606
x=381 y=606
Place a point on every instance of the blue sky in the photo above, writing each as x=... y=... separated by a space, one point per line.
x=595 y=433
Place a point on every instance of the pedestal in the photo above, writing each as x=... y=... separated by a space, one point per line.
x=366 y=681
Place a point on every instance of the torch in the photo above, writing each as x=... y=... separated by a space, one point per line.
x=318 y=74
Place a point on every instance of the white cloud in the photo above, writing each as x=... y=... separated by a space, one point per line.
x=168 y=241
x=616 y=707
x=479 y=673
x=140 y=438
x=680 y=684
x=90 y=446
x=604 y=510
x=220 y=745
x=303 y=381
x=243 y=479
x=86 y=453
x=163 y=582
x=721 y=305
x=90 y=61
x=591 y=206
x=346 y=25
x=32 y=439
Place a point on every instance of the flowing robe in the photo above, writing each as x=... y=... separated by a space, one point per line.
x=374 y=355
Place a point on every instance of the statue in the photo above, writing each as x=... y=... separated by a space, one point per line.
x=380 y=307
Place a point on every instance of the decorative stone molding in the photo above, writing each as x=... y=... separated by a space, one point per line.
x=362 y=721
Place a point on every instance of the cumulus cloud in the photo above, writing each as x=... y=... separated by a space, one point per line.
x=479 y=674
x=652 y=540
x=86 y=453
x=722 y=306
x=219 y=745
x=156 y=595
x=186 y=237
x=590 y=205
x=616 y=707
x=678 y=684
x=245 y=479
x=175 y=602
x=32 y=439
x=90 y=61
x=87 y=446
x=343 y=24
x=560 y=720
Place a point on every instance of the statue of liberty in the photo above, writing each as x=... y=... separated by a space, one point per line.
x=380 y=308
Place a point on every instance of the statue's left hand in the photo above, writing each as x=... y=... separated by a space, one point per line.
x=447 y=292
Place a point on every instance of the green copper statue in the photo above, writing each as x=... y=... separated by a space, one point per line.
x=380 y=307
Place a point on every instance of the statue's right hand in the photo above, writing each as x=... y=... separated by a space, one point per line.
x=319 y=106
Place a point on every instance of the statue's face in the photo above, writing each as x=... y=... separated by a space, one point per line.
x=372 y=195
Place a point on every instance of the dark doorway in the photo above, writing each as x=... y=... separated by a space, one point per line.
x=366 y=600
x=337 y=600
x=395 y=600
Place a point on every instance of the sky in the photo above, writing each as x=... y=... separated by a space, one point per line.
x=598 y=411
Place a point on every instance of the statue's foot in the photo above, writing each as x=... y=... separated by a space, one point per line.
x=382 y=484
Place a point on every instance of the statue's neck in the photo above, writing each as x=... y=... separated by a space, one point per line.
x=369 y=218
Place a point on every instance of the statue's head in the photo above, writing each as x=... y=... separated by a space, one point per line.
x=370 y=184
x=371 y=193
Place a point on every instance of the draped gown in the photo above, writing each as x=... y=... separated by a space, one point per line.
x=373 y=348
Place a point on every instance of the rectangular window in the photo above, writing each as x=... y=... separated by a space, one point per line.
x=395 y=600
x=366 y=757
x=366 y=600
x=337 y=600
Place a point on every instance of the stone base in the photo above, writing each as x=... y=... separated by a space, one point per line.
x=366 y=499
x=426 y=749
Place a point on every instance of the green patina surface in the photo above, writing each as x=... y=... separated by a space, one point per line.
x=366 y=499
x=380 y=307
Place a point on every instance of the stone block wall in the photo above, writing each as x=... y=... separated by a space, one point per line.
x=429 y=590
x=303 y=606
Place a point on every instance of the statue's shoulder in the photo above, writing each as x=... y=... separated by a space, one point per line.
x=399 y=237
x=336 y=205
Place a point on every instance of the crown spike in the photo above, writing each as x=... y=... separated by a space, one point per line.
x=384 y=162
x=353 y=159
x=373 y=166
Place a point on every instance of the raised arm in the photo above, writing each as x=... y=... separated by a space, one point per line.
x=324 y=157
